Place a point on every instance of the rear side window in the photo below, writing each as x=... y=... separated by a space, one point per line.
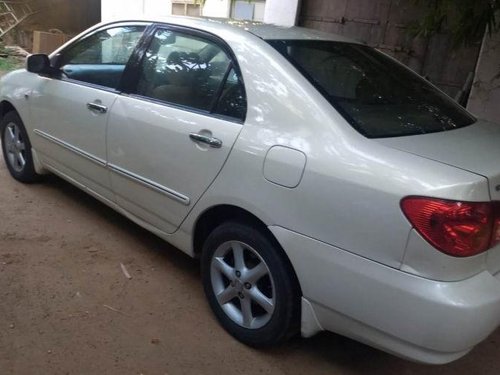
x=101 y=58
x=378 y=96
x=191 y=71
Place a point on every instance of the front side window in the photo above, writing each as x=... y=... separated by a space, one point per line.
x=101 y=58
x=378 y=96
x=191 y=71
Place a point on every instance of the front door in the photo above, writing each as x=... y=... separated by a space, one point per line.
x=169 y=139
x=71 y=112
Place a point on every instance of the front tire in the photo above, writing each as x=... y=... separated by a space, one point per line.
x=250 y=285
x=16 y=148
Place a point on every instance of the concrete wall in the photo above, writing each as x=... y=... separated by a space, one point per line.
x=282 y=12
x=484 y=100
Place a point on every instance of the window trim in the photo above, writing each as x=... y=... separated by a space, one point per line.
x=220 y=90
x=133 y=71
x=184 y=108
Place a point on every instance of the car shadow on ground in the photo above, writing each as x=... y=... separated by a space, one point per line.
x=150 y=241
x=326 y=350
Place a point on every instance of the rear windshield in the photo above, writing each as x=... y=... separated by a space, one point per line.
x=376 y=95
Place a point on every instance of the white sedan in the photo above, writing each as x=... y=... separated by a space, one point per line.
x=322 y=184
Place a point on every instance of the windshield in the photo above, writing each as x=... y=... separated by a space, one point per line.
x=375 y=94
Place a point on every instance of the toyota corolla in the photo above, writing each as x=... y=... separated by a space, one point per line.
x=322 y=184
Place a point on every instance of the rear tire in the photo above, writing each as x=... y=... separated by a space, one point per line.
x=250 y=285
x=16 y=148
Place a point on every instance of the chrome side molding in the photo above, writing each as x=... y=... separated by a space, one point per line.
x=71 y=148
x=172 y=194
x=151 y=185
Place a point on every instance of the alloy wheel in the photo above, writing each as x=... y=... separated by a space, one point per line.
x=243 y=284
x=15 y=147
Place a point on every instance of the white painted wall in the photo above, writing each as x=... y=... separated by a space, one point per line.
x=217 y=8
x=260 y=11
x=282 y=12
x=120 y=9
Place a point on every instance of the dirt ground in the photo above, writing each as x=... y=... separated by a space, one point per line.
x=67 y=308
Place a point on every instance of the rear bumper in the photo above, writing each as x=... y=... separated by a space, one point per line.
x=412 y=317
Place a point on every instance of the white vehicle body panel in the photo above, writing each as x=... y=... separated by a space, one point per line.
x=415 y=302
x=165 y=156
x=66 y=132
x=478 y=146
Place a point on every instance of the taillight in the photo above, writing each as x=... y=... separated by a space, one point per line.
x=460 y=229
x=496 y=227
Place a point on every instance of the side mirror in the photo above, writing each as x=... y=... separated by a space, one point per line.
x=39 y=64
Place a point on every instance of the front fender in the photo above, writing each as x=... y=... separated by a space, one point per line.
x=15 y=91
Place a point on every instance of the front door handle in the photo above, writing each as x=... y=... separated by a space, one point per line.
x=97 y=107
x=211 y=141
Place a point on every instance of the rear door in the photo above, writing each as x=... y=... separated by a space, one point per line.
x=169 y=138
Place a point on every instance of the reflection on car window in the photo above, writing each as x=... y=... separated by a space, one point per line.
x=378 y=96
x=187 y=70
x=101 y=58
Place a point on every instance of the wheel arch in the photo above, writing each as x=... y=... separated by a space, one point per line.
x=6 y=107
x=216 y=215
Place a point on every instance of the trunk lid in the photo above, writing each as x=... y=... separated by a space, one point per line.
x=475 y=148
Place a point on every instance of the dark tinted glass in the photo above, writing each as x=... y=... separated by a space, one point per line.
x=378 y=96
x=232 y=102
x=101 y=58
x=183 y=69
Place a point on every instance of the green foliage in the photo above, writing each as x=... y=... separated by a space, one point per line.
x=9 y=63
x=466 y=20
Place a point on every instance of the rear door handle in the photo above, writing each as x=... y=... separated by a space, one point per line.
x=211 y=141
x=97 y=107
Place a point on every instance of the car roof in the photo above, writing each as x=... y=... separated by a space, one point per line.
x=274 y=32
x=259 y=29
